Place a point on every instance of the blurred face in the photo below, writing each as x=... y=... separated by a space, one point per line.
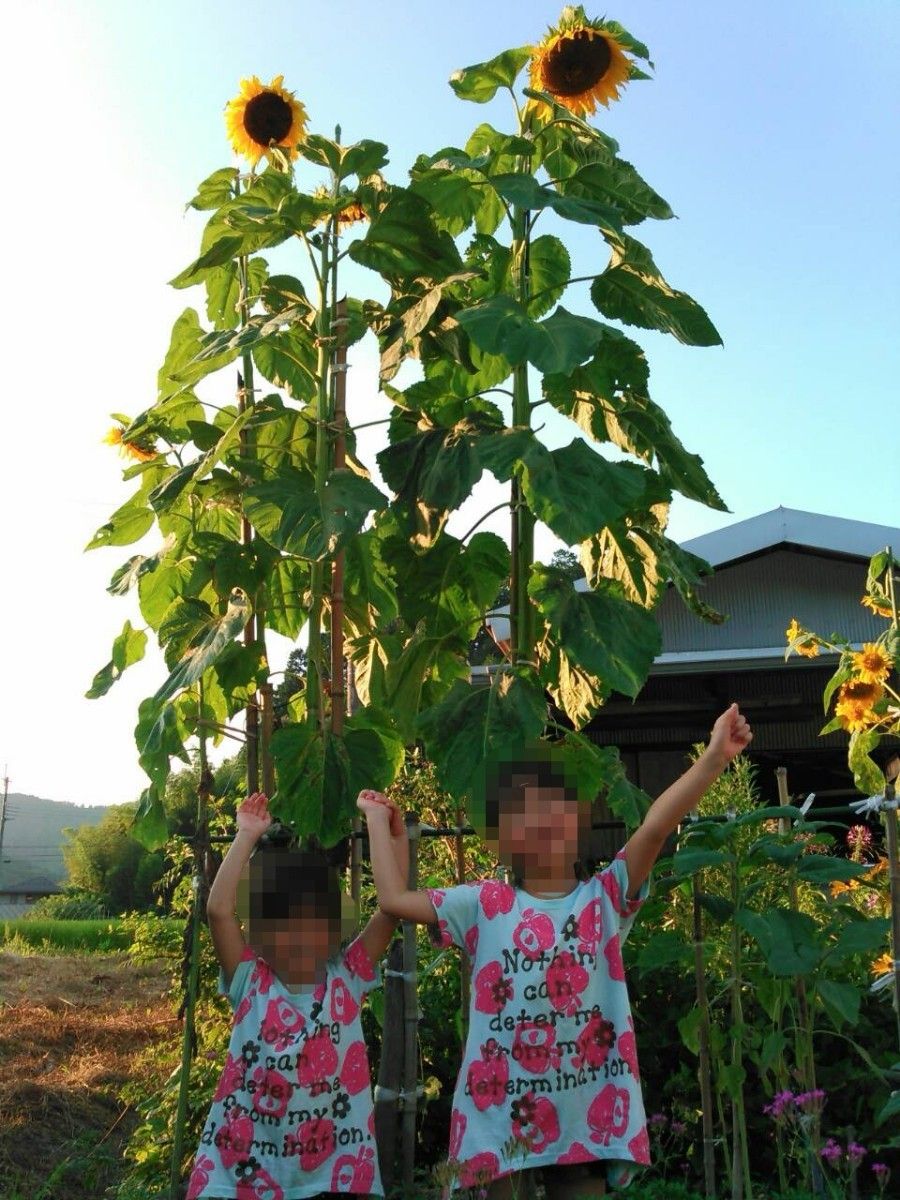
x=299 y=947
x=542 y=832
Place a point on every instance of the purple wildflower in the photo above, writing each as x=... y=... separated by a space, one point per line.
x=780 y=1102
x=657 y=1119
x=831 y=1151
x=678 y=1127
x=856 y=1153
x=882 y=1170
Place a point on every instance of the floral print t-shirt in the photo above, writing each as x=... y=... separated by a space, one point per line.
x=292 y=1115
x=550 y=1070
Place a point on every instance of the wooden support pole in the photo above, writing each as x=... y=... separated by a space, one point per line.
x=410 y=1017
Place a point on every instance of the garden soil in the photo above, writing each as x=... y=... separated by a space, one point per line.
x=71 y=1029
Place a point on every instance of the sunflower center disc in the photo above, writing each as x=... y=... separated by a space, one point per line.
x=267 y=118
x=576 y=64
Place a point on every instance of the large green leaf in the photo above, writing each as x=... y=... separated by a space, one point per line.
x=605 y=635
x=369 y=591
x=288 y=359
x=549 y=270
x=160 y=735
x=788 y=939
x=599 y=770
x=556 y=345
x=149 y=825
x=480 y=82
x=284 y=508
x=404 y=678
x=223 y=291
x=375 y=751
x=312 y=782
x=127 y=524
x=476 y=724
x=860 y=936
x=402 y=241
x=219 y=634
x=840 y=999
x=128 y=648
x=180 y=573
x=822 y=868
x=183 y=365
x=867 y=775
x=125 y=577
x=525 y=192
x=286 y=597
x=215 y=189
x=632 y=289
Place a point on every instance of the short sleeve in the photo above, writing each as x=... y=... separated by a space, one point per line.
x=236 y=990
x=360 y=974
x=614 y=880
x=457 y=913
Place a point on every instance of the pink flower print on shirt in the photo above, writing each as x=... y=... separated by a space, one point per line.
x=444 y=936
x=590 y=926
x=608 y=1114
x=576 y=1153
x=317 y=1061
x=243 y=1008
x=613 y=952
x=262 y=977
x=437 y=896
x=458 y=1124
x=281 y=1023
x=343 y=1007
x=199 y=1176
x=640 y=1146
x=534 y=933
x=471 y=940
x=479 y=1170
x=566 y=980
x=354 y=1172
x=534 y=1047
x=259 y=1186
x=492 y=988
x=272 y=1093
x=232 y=1078
x=487 y=1079
x=358 y=961
x=313 y=1142
x=594 y=1042
x=496 y=897
x=534 y=1122
x=234 y=1137
x=355 y=1069
x=627 y=1048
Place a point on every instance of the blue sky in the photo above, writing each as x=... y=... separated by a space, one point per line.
x=770 y=128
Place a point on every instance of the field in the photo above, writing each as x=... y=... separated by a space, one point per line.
x=71 y=1027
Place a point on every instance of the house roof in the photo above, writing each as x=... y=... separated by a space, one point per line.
x=795 y=528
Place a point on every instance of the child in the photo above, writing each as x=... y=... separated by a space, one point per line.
x=292 y=1115
x=549 y=1077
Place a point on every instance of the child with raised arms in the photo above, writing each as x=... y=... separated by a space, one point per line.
x=549 y=1080
x=292 y=1115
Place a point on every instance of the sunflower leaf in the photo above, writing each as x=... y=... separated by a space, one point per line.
x=480 y=82
x=217 y=636
x=215 y=189
x=633 y=290
x=128 y=648
x=500 y=326
x=525 y=191
x=402 y=241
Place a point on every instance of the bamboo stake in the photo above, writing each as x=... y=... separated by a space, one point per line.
x=410 y=1017
x=704 y=1066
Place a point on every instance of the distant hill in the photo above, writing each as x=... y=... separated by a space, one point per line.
x=32 y=836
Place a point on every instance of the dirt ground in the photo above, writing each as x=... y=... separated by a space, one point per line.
x=70 y=1030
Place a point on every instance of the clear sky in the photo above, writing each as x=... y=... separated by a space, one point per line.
x=771 y=128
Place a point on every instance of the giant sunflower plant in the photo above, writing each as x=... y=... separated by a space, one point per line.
x=477 y=288
x=256 y=500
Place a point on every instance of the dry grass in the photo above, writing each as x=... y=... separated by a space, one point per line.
x=70 y=1030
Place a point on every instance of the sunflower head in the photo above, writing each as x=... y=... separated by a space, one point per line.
x=581 y=63
x=807 y=646
x=855 y=708
x=262 y=116
x=878 y=606
x=871 y=664
x=141 y=450
x=352 y=211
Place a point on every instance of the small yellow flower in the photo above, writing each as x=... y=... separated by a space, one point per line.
x=855 y=704
x=838 y=887
x=809 y=647
x=882 y=965
x=262 y=116
x=871 y=664
x=128 y=449
x=880 y=607
x=878 y=868
x=579 y=63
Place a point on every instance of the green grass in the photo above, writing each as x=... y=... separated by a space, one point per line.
x=46 y=936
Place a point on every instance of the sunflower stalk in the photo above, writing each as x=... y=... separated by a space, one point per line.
x=522 y=623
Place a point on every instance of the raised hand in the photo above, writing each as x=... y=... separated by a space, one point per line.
x=730 y=734
x=253 y=815
x=369 y=801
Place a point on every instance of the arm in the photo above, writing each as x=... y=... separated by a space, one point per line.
x=378 y=931
x=394 y=895
x=730 y=735
x=253 y=820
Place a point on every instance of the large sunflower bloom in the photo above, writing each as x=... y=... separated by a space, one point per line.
x=854 y=708
x=135 y=450
x=580 y=64
x=871 y=664
x=262 y=116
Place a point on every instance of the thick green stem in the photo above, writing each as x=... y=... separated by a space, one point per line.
x=314 y=679
x=245 y=400
x=521 y=610
x=740 y=1182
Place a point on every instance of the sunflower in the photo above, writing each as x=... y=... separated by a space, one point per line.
x=838 y=887
x=883 y=965
x=809 y=647
x=262 y=116
x=854 y=708
x=871 y=664
x=352 y=212
x=880 y=607
x=142 y=452
x=579 y=63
